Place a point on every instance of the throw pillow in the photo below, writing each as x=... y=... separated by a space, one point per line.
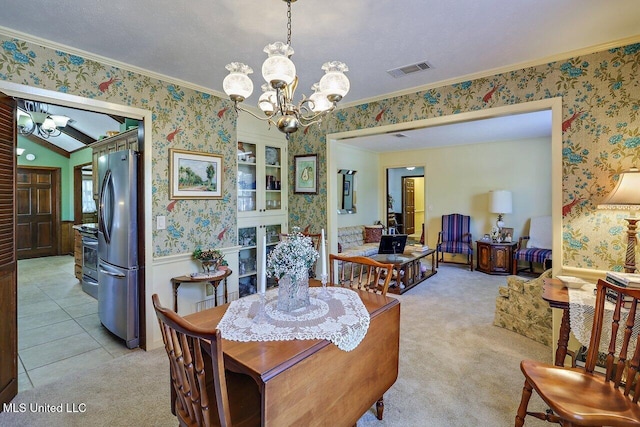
x=372 y=234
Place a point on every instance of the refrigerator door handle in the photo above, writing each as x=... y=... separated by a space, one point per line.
x=109 y=273
x=103 y=208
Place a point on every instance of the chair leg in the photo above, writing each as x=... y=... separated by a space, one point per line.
x=380 y=407
x=524 y=403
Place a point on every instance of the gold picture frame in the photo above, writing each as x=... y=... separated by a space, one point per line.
x=194 y=175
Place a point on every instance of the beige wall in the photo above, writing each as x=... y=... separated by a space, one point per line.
x=368 y=202
x=459 y=178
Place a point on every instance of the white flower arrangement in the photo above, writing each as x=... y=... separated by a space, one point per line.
x=294 y=256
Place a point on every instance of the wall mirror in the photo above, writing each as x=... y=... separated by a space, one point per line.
x=347 y=191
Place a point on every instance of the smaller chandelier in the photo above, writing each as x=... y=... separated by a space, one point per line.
x=279 y=72
x=35 y=119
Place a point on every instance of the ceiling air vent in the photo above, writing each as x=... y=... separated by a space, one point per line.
x=409 y=69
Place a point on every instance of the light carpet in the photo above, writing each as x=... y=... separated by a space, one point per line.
x=456 y=369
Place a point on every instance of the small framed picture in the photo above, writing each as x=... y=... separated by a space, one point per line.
x=194 y=175
x=306 y=174
x=506 y=234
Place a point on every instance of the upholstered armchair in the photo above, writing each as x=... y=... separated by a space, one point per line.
x=535 y=247
x=455 y=238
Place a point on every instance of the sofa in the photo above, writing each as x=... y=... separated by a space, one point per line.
x=359 y=240
x=521 y=309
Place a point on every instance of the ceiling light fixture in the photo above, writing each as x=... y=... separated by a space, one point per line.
x=36 y=119
x=276 y=101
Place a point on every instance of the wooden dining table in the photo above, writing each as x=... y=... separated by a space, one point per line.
x=557 y=295
x=313 y=382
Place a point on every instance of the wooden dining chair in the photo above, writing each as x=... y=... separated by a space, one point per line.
x=582 y=396
x=360 y=273
x=199 y=381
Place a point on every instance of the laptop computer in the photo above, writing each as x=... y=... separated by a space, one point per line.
x=392 y=243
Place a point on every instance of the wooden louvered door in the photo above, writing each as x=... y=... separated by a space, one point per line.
x=8 y=270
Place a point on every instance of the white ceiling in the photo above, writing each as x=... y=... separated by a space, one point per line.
x=507 y=128
x=193 y=40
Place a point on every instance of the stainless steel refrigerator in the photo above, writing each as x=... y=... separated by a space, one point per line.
x=118 y=245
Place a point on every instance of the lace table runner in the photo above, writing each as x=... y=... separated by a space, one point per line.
x=581 y=311
x=343 y=319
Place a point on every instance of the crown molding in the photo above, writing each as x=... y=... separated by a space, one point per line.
x=499 y=70
x=473 y=76
x=107 y=61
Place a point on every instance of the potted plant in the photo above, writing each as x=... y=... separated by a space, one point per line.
x=210 y=259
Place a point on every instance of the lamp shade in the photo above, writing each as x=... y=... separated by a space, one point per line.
x=237 y=84
x=278 y=70
x=500 y=202
x=626 y=194
x=334 y=84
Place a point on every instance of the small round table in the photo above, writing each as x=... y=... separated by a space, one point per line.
x=214 y=281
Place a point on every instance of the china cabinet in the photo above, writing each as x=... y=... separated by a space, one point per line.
x=251 y=253
x=262 y=178
x=262 y=205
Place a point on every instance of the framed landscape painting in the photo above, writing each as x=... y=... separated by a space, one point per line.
x=306 y=174
x=194 y=175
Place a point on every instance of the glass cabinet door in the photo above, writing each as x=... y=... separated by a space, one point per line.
x=272 y=232
x=273 y=178
x=247 y=200
x=248 y=261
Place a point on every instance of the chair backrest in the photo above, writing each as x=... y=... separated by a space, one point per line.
x=183 y=343
x=623 y=348
x=540 y=232
x=360 y=273
x=456 y=228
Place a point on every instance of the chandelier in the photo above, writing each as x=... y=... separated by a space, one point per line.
x=35 y=119
x=279 y=72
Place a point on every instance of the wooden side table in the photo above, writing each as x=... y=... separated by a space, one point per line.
x=494 y=257
x=557 y=295
x=214 y=281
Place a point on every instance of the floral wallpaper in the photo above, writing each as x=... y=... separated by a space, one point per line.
x=182 y=118
x=601 y=138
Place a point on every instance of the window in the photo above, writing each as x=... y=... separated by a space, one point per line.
x=88 y=204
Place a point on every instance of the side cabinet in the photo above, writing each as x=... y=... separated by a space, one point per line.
x=494 y=258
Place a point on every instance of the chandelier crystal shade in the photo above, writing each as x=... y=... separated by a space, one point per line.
x=35 y=119
x=279 y=73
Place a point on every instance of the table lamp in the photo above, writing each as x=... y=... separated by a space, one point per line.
x=500 y=202
x=626 y=196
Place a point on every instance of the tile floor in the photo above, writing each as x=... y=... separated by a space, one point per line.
x=58 y=326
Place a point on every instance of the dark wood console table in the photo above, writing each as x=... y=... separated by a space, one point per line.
x=214 y=281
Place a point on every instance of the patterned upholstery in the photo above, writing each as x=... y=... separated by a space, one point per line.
x=351 y=239
x=530 y=255
x=538 y=255
x=455 y=238
x=538 y=245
